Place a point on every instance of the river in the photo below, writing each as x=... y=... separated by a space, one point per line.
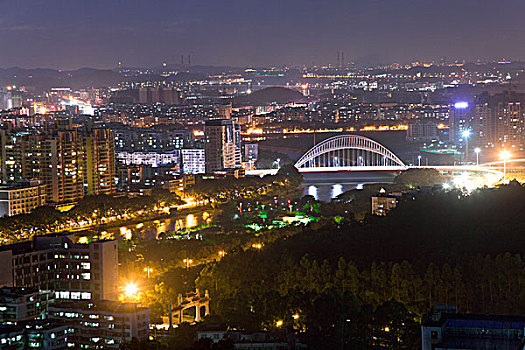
x=326 y=186
x=152 y=228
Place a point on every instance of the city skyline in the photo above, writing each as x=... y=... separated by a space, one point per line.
x=70 y=35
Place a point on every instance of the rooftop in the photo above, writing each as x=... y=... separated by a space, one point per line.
x=459 y=320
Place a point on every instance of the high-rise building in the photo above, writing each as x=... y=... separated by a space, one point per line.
x=461 y=115
x=482 y=134
x=498 y=120
x=68 y=162
x=61 y=165
x=508 y=118
x=99 y=162
x=222 y=145
x=169 y=96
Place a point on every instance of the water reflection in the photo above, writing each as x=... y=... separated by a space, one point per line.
x=337 y=189
x=152 y=229
x=312 y=191
x=191 y=221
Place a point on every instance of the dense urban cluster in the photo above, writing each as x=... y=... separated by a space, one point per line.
x=185 y=207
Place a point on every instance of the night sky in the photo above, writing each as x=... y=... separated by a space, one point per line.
x=71 y=34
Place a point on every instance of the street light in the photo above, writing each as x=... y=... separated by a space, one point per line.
x=148 y=270
x=466 y=134
x=188 y=262
x=505 y=155
x=130 y=290
x=477 y=150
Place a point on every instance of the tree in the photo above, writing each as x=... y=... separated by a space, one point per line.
x=414 y=178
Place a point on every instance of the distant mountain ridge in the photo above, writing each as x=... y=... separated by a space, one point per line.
x=44 y=78
x=269 y=95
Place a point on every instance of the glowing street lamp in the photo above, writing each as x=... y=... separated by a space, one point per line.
x=466 y=135
x=148 y=270
x=222 y=253
x=505 y=156
x=188 y=262
x=477 y=150
x=130 y=290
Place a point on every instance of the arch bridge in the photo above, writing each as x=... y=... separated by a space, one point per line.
x=349 y=153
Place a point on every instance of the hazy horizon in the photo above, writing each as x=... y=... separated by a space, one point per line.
x=69 y=35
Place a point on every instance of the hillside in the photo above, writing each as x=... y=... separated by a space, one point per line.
x=266 y=96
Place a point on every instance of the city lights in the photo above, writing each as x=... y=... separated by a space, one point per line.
x=130 y=290
x=148 y=270
x=461 y=105
x=505 y=155
x=188 y=262
x=477 y=150
x=342 y=186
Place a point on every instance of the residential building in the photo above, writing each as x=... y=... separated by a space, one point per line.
x=251 y=152
x=461 y=115
x=450 y=330
x=193 y=161
x=69 y=270
x=61 y=166
x=222 y=145
x=422 y=131
x=509 y=123
x=22 y=304
x=21 y=197
x=99 y=162
x=102 y=324
x=382 y=203
x=180 y=184
x=36 y=334
x=169 y=96
x=154 y=159
x=243 y=340
x=70 y=163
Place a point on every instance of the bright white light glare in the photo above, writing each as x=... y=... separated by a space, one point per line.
x=446 y=186
x=312 y=191
x=466 y=133
x=477 y=149
x=130 y=289
x=461 y=105
x=337 y=189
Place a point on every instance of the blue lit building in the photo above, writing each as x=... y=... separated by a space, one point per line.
x=444 y=331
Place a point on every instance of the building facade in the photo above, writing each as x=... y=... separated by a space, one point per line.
x=193 y=161
x=71 y=271
x=448 y=330
x=222 y=145
x=102 y=324
x=21 y=198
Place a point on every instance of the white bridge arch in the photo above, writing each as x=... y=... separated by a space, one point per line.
x=347 y=152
